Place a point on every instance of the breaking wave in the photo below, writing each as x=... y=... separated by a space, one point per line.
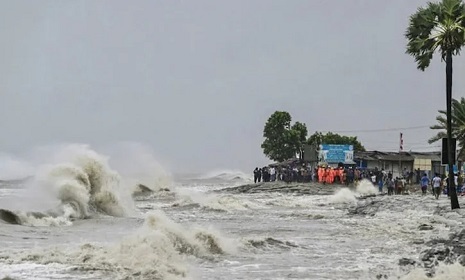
x=346 y=195
x=80 y=185
x=226 y=175
x=211 y=201
x=154 y=251
x=138 y=167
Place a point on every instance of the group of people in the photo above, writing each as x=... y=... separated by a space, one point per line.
x=439 y=184
x=290 y=173
x=324 y=174
x=347 y=175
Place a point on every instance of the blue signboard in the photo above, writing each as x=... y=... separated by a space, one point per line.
x=455 y=169
x=331 y=153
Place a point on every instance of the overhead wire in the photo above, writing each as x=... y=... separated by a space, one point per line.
x=381 y=129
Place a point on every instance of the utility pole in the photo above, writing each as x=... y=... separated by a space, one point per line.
x=401 y=148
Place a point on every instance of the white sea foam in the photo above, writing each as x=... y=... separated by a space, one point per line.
x=215 y=201
x=154 y=251
x=346 y=195
x=75 y=183
x=443 y=272
x=365 y=187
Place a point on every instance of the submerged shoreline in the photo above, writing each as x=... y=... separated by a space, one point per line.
x=299 y=188
x=413 y=233
x=308 y=188
x=437 y=251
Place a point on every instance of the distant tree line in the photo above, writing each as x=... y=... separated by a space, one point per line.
x=284 y=140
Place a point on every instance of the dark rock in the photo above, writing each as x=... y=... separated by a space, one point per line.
x=9 y=217
x=448 y=250
x=425 y=227
x=427 y=256
x=461 y=260
x=406 y=261
x=370 y=208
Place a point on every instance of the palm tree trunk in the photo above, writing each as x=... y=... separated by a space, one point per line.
x=454 y=202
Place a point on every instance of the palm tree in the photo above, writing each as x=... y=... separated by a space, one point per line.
x=439 y=27
x=458 y=126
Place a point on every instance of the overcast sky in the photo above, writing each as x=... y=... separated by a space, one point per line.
x=197 y=80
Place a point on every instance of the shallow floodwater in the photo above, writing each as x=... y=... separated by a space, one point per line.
x=189 y=231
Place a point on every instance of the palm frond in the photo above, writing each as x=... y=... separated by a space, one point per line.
x=436 y=27
x=437 y=137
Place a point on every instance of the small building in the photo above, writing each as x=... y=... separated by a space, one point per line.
x=396 y=162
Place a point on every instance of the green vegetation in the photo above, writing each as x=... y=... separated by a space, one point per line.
x=439 y=27
x=283 y=141
x=333 y=138
x=458 y=125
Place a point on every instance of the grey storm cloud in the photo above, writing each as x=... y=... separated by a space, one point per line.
x=196 y=80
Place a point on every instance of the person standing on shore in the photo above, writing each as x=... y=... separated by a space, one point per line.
x=272 y=174
x=255 y=175
x=424 y=184
x=390 y=186
x=437 y=185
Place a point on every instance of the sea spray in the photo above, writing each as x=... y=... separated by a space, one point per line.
x=87 y=180
x=76 y=182
x=196 y=241
x=153 y=251
x=137 y=165
x=365 y=187
x=346 y=195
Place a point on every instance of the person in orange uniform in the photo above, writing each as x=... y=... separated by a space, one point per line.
x=320 y=174
x=326 y=175
x=341 y=175
x=329 y=175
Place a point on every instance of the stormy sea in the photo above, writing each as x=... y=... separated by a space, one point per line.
x=82 y=216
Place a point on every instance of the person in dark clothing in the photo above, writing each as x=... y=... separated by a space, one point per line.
x=379 y=177
x=418 y=176
x=255 y=175
x=390 y=186
x=265 y=174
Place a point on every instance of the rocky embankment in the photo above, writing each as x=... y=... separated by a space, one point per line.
x=447 y=250
x=438 y=251
x=297 y=188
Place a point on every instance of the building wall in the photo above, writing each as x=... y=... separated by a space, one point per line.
x=397 y=169
x=437 y=168
x=392 y=166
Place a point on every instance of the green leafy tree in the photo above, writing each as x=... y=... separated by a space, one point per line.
x=283 y=141
x=439 y=27
x=299 y=136
x=319 y=138
x=458 y=125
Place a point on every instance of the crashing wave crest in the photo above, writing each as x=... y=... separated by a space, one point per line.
x=81 y=185
x=154 y=251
